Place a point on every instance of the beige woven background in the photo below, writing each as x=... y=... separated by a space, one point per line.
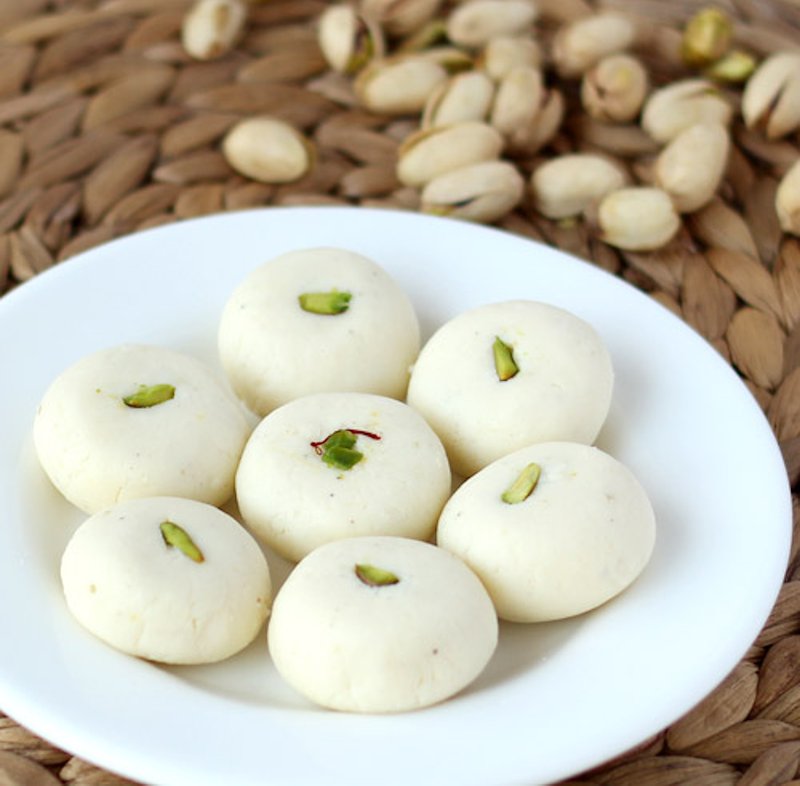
x=107 y=127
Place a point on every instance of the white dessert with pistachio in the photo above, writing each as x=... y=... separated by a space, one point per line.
x=381 y=624
x=317 y=320
x=505 y=375
x=139 y=421
x=336 y=465
x=167 y=579
x=552 y=530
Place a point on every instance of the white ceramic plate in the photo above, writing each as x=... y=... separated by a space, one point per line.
x=557 y=698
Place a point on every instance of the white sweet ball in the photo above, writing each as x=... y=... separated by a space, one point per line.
x=293 y=497
x=274 y=350
x=349 y=645
x=582 y=536
x=98 y=450
x=125 y=583
x=562 y=390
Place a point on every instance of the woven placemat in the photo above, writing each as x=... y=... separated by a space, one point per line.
x=107 y=127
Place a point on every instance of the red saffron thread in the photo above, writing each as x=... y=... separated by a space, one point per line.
x=318 y=445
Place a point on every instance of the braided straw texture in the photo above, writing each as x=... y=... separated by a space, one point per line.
x=107 y=127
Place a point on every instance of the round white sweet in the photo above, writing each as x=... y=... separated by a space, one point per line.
x=274 y=351
x=294 y=501
x=97 y=450
x=582 y=536
x=562 y=390
x=351 y=646
x=130 y=588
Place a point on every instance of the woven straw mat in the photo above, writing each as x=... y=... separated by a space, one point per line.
x=108 y=127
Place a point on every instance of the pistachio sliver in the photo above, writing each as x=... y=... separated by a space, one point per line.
x=504 y=363
x=177 y=537
x=523 y=486
x=149 y=396
x=333 y=302
x=375 y=577
x=341 y=457
x=338 y=451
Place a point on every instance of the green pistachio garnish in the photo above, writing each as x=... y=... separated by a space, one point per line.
x=149 y=396
x=338 y=450
x=523 y=486
x=177 y=537
x=333 y=302
x=504 y=363
x=375 y=577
